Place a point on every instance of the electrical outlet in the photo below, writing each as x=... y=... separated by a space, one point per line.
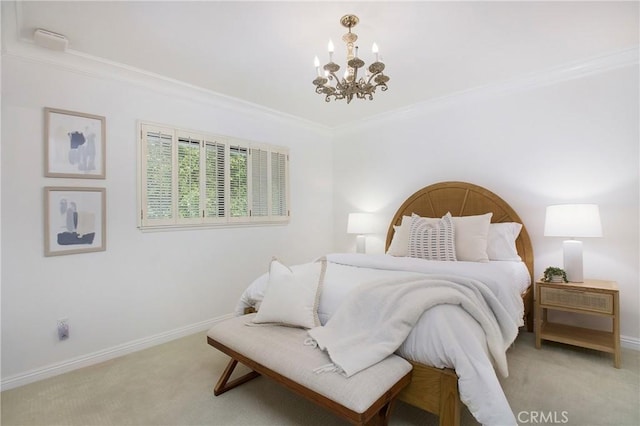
x=63 y=329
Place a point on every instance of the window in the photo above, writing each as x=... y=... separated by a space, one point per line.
x=191 y=179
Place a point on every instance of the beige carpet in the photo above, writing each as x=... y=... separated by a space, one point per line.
x=171 y=384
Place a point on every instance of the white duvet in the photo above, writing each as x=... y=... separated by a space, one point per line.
x=445 y=335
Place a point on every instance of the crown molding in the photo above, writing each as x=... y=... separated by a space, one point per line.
x=92 y=66
x=563 y=73
x=82 y=63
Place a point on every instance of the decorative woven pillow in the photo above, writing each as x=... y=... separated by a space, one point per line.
x=432 y=241
x=292 y=295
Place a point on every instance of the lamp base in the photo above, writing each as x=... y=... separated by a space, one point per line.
x=361 y=244
x=572 y=254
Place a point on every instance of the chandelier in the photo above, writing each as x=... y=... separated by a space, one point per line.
x=350 y=85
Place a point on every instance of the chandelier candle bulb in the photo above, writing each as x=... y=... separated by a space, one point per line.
x=374 y=49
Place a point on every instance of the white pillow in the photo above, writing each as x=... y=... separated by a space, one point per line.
x=472 y=233
x=432 y=241
x=400 y=241
x=292 y=295
x=501 y=243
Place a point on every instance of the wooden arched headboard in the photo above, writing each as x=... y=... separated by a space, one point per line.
x=463 y=199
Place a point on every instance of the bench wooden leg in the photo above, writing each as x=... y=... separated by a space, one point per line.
x=382 y=417
x=224 y=385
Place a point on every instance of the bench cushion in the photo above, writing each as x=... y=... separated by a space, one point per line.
x=282 y=350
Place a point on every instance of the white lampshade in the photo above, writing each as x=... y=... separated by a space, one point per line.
x=360 y=223
x=573 y=220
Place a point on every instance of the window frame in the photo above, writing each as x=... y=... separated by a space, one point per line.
x=202 y=221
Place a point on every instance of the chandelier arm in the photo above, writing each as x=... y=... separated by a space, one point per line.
x=339 y=86
x=372 y=76
x=336 y=78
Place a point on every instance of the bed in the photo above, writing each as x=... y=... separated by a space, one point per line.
x=432 y=389
x=436 y=387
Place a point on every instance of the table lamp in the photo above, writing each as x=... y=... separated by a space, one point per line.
x=361 y=224
x=573 y=221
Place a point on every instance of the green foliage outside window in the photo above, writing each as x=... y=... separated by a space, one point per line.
x=188 y=179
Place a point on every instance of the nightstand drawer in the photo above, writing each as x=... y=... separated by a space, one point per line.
x=577 y=299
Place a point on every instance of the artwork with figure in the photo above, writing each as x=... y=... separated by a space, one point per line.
x=77 y=227
x=74 y=144
x=75 y=220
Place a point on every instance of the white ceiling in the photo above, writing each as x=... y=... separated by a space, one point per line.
x=262 y=52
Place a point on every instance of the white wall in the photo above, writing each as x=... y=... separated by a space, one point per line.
x=145 y=286
x=572 y=141
x=533 y=144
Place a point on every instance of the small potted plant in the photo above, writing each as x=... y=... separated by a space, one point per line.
x=555 y=275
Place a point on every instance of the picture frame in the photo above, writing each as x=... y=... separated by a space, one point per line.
x=74 y=220
x=75 y=144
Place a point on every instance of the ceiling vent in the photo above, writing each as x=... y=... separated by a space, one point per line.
x=50 y=40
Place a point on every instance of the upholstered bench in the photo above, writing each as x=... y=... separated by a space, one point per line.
x=279 y=352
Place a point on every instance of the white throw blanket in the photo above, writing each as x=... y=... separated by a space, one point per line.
x=375 y=319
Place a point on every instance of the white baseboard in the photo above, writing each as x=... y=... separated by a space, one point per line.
x=147 y=342
x=105 y=354
x=630 y=343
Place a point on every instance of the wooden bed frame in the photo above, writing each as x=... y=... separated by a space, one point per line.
x=432 y=389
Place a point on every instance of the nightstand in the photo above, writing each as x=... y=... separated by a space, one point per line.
x=592 y=297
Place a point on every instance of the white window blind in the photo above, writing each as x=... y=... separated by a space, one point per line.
x=279 y=186
x=259 y=183
x=193 y=179
x=157 y=148
x=239 y=184
x=214 y=180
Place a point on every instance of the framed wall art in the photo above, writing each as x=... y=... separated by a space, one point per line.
x=75 y=220
x=74 y=144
